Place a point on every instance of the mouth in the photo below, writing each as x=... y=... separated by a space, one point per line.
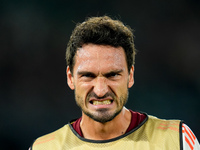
x=101 y=102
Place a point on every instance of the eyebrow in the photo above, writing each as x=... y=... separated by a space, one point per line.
x=93 y=74
x=85 y=72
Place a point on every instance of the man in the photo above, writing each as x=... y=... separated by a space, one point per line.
x=100 y=67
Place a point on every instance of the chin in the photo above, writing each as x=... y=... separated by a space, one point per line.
x=102 y=115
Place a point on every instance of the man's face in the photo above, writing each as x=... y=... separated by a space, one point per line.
x=100 y=80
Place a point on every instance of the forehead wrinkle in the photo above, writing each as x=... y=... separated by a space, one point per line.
x=90 y=55
x=82 y=53
x=110 y=65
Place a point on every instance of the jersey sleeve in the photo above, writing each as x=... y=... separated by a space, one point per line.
x=190 y=142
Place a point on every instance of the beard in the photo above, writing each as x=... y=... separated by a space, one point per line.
x=102 y=115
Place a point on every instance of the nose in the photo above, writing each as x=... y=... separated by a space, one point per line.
x=100 y=87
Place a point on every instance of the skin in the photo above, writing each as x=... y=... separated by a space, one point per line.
x=100 y=73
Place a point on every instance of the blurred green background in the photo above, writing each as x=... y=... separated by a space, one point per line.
x=34 y=96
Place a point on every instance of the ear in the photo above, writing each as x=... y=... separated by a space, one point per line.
x=70 y=78
x=131 y=77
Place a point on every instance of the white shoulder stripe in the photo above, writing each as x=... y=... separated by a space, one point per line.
x=190 y=141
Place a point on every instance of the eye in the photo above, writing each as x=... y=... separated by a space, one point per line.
x=112 y=75
x=88 y=75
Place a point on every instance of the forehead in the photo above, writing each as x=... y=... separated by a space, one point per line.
x=92 y=56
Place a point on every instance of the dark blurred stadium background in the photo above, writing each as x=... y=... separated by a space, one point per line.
x=34 y=96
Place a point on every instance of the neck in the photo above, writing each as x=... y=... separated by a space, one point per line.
x=103 y=131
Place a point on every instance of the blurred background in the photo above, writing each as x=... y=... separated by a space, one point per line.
x=34 y=96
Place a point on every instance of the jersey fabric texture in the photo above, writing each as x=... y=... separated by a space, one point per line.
x=151 y=134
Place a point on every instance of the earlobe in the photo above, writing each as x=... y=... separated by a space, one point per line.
x=131 y=77
x=70 y=79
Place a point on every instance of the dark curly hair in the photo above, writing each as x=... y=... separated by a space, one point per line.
x=102 y=31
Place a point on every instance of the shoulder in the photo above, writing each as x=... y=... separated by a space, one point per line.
x=176 y=130
x=163 y=124
x=52 y=140
x=165 y=132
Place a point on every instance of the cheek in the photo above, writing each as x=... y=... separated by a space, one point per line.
x=119 y=88
x=82 y=89
x=85 y=86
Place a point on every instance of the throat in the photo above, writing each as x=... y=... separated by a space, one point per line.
x=104 y=131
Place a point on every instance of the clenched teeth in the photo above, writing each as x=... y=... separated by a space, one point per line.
x=105 y=102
